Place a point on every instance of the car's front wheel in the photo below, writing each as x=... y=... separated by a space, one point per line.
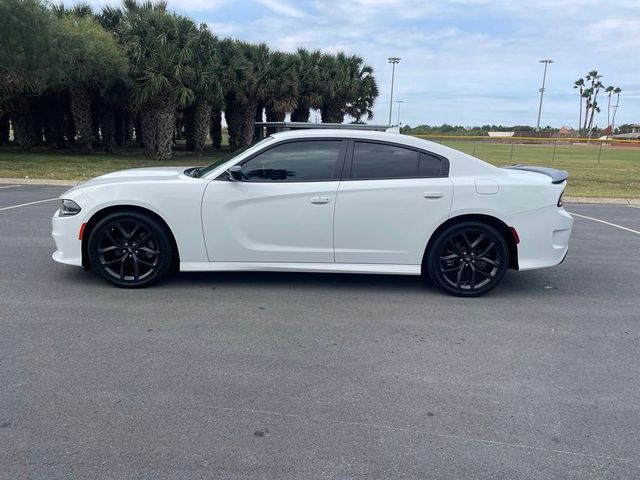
x=468 y=259
x=130 y=249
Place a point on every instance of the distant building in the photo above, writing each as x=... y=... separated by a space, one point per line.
x=566 y=131
x=501 y=134
x=633 y=135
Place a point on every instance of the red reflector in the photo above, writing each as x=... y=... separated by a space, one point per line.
x=81 y=231
x=516 y=237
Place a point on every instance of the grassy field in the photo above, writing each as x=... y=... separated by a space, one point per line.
x=75 y=166
x=610 y=172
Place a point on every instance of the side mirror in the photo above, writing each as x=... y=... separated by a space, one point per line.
x=235 y=173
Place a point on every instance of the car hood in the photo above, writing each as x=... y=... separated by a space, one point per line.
x=138 y=175
x=132 y=175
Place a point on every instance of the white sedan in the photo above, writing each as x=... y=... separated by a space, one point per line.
x=320 y=201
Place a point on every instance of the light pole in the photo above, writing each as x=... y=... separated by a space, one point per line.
x=393 y=61
x=544 y=77
x=399 y=102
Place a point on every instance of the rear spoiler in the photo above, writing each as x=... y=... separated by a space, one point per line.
x=557 y=176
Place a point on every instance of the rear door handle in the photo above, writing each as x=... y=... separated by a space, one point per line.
x=433 y=194
x=319 y=200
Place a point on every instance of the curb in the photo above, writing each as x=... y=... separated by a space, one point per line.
x=73 y=183
x=603 y=200
x=41 y=181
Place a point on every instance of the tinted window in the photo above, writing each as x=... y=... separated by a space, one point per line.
x=311 y=161
x=374 y=160
x=430 y=166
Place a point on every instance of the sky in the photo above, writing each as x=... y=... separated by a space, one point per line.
x=464 y=62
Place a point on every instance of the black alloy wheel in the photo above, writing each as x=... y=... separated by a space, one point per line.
x=130 y=249
x=468 y=259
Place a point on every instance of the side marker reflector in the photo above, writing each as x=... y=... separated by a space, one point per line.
x=516 y=237
x=80 y=235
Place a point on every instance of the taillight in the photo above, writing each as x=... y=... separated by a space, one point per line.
x=560 y=204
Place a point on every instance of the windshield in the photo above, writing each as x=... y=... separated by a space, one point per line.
x=229 y=156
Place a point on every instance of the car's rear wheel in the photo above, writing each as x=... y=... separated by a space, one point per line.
x=468 y=259
x=130 y=249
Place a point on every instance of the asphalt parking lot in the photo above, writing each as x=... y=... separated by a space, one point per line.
x=289 y=376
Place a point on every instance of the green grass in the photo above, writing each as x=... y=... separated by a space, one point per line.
x=612 y=172
x=75 y=166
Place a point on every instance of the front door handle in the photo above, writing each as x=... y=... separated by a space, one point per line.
x=319 y=200
x=433 y=194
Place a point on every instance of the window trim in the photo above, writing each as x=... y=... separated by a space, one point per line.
x=348 y=164
x=336 y=173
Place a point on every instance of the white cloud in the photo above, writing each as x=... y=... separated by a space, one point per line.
x=282 y=8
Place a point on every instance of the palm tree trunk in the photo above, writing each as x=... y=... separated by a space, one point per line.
x=274 y=116
x=301 y=112
x=586 y=112
x=201 y=122
x=259 y=112
x=24 y=124
x=332 y=113
x=233 y=116
x=148 y=127
x=81 y=112
x=188 y=126
x=580 y=116
x=118 y=115
x=56 y=121
x=4 y=129
x=615 y=110
x=216 y=128
x=593 y=111
x=166 y=125
x=127 y=126
x=108 y=127
x=248 y=123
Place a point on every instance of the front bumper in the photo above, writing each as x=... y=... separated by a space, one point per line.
x=65 y=231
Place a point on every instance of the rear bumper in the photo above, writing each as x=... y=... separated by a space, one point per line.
x=544 y=237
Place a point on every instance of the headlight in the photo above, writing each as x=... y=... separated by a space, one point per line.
x=68 y=208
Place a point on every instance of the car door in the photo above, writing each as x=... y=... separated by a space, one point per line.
x=281 y=210
x=390 y=200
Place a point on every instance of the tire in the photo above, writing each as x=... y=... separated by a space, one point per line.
x=130 y=249
x=468 y=259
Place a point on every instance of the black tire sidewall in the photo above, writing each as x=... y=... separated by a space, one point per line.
x=160 y=235
x=433 y=259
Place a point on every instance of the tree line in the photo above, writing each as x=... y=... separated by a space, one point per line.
x=75 y=76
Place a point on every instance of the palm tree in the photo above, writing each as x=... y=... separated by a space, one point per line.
x=348 y=88
x=595 y=87
x=93 y=61
x=609 y=91
x=29 y=65
x=616 y=91
x=306 y=66
x=206 y=86
x=244 y=70
x=579 y=84
x=161 y=47
x=281 y=91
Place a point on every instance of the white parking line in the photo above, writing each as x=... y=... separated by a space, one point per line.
x=635 y=206
x=11 y=186
x=606 y=223
x=27 y=204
